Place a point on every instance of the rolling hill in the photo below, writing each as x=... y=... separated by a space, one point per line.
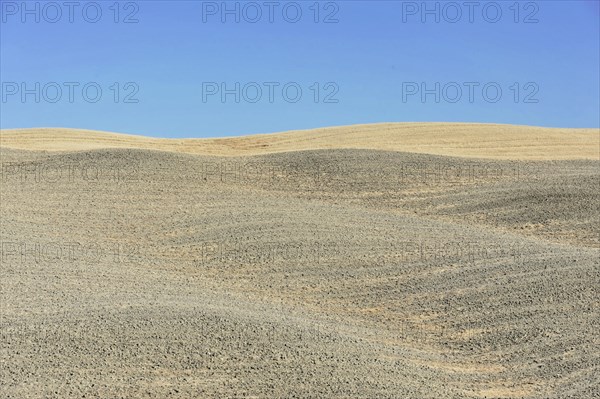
x=371 y=261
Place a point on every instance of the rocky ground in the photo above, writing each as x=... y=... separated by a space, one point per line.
x=309 y=274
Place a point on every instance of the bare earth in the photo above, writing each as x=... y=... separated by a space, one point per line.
x=374 y=261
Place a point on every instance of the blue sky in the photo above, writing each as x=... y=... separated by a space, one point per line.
x=163 y=72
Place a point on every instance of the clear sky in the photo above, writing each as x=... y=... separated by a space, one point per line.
x=189 y=69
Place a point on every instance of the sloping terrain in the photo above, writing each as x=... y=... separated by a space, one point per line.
x=454 y=139
x=320 y=273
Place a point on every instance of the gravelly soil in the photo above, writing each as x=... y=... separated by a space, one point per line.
x=332 y=273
